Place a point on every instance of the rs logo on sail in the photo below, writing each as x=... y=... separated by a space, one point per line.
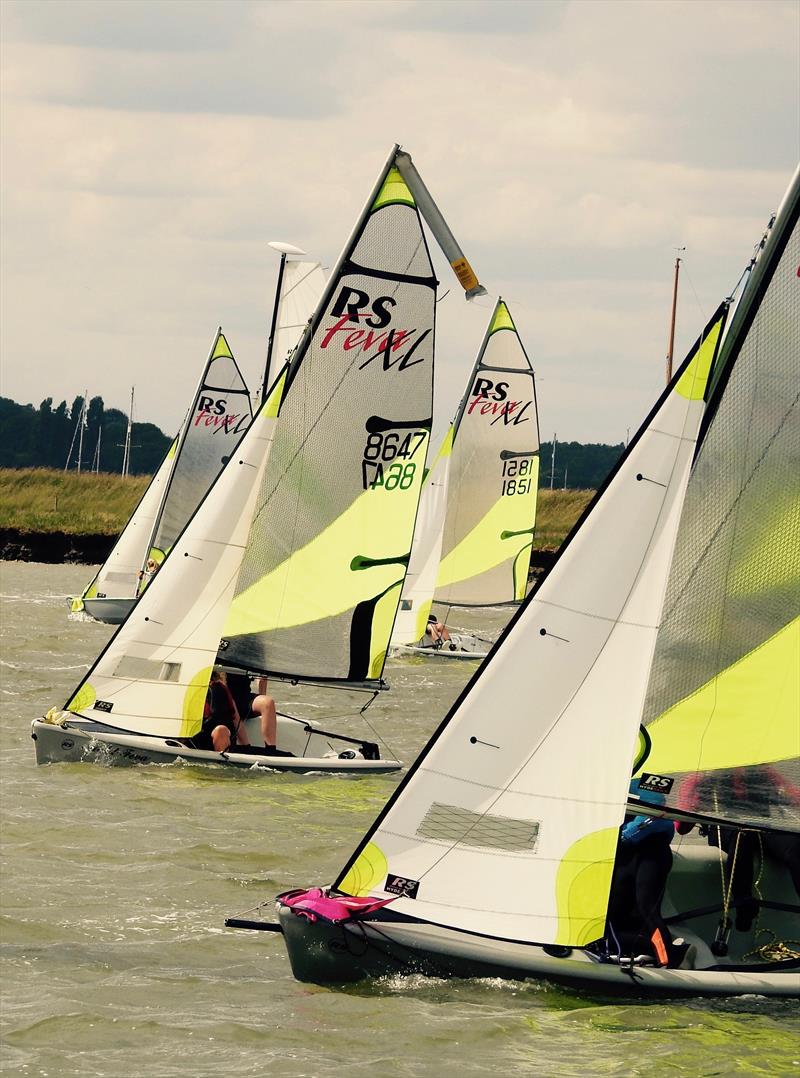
x=496 y=403
x=354 y=306
x=212 y=412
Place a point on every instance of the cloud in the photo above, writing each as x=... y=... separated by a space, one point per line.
x=147 y=160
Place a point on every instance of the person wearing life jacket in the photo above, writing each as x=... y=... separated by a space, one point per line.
x=641 y=868
x=222 y=727
x=261 y=704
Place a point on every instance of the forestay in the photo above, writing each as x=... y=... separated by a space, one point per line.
x=330 y=541
x=218 y=416
x=507 y=824
x=494 y=470
x=723 y=704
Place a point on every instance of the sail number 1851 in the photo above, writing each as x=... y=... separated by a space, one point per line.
x=517 y=476
x=388 y=459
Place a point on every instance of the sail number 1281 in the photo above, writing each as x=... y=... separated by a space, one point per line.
x=516 y=476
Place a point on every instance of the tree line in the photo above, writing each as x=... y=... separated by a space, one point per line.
x=41 y=437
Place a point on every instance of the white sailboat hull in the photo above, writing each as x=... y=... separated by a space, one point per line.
x=76 y=740
x=459 y=646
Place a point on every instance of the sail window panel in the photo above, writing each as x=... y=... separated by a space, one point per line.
x=119 y=578
x=134 y=667
x=453 y=824
x=735 y=580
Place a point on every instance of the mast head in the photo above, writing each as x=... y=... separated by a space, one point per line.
x=286 y=248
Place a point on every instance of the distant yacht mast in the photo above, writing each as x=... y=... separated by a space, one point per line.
x=126 y=456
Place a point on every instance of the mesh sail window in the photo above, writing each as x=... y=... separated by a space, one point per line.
x=330 y=540
x=723 y=704
x=494 y=474
x=219 y=415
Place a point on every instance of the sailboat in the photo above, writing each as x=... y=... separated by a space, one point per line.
x=474 y=536
x=663 y=645
x=218 y=415
x=293 y=564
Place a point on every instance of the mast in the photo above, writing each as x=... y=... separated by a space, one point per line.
x=82 y=424
x=553 y=462
x=285 y=249
x=671 y=344
x=126 y=455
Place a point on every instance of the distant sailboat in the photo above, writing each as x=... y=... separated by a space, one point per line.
x=474 y=536
x=293 y=564
x=219 y=414
x=671 y=616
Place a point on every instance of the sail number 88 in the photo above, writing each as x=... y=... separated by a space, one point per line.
x=387 y=459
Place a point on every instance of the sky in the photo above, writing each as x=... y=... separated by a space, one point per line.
x=150 y=150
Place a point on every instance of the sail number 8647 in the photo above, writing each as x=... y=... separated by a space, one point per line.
x=517 y=476
x=388 y=460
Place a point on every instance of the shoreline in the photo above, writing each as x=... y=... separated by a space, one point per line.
x=60 y=548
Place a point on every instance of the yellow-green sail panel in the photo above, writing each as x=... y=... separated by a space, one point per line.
x=747 y=715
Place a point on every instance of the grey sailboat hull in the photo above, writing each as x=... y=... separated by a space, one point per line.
x=108 y=610
x=460 y=646
x=386 y=944
x=74 y=740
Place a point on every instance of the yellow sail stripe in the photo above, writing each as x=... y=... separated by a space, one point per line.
x=692 y=383
x=323 y=579
x=367 y=872
x=583 y=882
x=221 y=347
x=394 y=191
x=484 y=546
x=748 y=714
x=502 y=319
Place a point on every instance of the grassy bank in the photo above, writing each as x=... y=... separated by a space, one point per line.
x=556 y=513
x=42 y=500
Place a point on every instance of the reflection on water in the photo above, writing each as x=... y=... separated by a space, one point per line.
x=116 y=884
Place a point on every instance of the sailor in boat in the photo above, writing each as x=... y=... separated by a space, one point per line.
x=259 y=704
x=757 y=787
x=641 y=868
x=436 y=633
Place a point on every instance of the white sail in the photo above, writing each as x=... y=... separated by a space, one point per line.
x=302 y=286
x=507 y=824
x=491 y=504
x=119 y=574
x=426 y=551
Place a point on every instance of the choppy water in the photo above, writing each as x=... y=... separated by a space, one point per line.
x=116 y=884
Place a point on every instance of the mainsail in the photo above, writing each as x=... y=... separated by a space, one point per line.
x=507 y=823
x=494 y=472
x=723 y=702
x=294 y=561
x=219 y=414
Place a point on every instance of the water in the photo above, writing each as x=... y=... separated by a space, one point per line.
x=116 y=883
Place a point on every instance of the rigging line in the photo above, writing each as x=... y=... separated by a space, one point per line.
x=691 y=282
